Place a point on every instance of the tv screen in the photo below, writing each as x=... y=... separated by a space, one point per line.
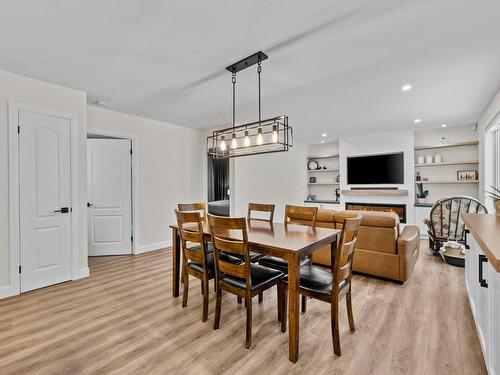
x=376 y=169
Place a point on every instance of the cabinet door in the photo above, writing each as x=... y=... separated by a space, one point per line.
x=422 y=213
x=483 y=304
x=494 y=297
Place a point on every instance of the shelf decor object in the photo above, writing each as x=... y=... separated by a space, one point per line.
x=259 y=137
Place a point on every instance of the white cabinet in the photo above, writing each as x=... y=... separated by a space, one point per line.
x=422 y=213
x=483 y=288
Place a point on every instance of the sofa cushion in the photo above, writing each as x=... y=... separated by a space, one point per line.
x=325 y=218
x=370 y=218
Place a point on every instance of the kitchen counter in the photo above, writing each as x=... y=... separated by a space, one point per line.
x=486 y=231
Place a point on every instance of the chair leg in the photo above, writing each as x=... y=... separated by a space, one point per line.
x=185 y=290
x=238 y=298
x=335 y=328
x=348 y=301
x=204 y=284
x=261 y=297
x=279 y=302
x=284 y=302
x=218 y=302
x=304 y=304
x=248 y=342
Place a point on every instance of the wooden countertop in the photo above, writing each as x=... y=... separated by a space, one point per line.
x=486 y=231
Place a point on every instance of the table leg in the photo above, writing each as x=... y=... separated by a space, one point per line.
x=176 y=256
x=293 y=309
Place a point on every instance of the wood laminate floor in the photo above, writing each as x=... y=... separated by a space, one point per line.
x=124 y=320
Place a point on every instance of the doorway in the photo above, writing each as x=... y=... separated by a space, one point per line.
x=43 y=209
x=109 y=191
x=218 y=186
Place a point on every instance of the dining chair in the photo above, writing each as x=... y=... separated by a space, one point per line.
x=301 y=215
x=201 y=207
x=196 y=260
x=328 y=286
x=263 y=208
x=247 y=279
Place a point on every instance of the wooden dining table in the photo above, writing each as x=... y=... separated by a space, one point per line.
x=287 y=241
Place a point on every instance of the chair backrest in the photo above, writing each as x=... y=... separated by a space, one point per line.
x=191 y=230
x=301 y=215
x=200 y=207
x=446 y=216
x=229 y=235
x=258 y=207
x=342 y=263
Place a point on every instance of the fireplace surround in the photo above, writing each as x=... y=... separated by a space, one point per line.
x=398 y=209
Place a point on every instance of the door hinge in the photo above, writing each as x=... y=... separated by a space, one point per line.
x=18 y=129
x=130 y=150
x=131 y=238
x=19 y=269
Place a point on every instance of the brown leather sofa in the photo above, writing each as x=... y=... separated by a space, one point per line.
x=381 y=250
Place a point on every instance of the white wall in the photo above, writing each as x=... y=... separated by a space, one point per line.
x=379 y=143
x=24 y=90
x=278 y=178
x=486 y=149
x=170 y=170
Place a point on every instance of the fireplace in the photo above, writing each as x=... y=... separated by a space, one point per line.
x=398 y=209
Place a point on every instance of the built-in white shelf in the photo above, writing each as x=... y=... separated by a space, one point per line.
x=321 y=170
x=448 y=182
x=458 y=162
x=332 y=156
x=446 y=145
x=323 y=183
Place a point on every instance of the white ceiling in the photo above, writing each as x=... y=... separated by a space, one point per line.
x=334 y=66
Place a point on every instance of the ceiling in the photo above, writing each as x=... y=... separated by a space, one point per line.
x=334 y=66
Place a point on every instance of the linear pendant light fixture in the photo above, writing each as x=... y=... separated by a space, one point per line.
x=259 y=137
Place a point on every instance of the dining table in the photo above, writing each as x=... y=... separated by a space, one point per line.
x=284 y=240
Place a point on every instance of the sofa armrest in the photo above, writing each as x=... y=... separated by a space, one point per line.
x=408 y=249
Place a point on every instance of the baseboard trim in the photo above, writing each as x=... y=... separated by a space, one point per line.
x=8 y=291
x=82 y=273
x=152 y=247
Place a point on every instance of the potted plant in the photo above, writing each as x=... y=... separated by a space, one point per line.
x=421 y=194
x=495 y=195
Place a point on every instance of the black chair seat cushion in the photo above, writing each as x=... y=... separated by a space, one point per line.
x=316 y=279
x=209 y=247
x=210 y=265
x=260 y=276
x=254 y=256
x=280 y=264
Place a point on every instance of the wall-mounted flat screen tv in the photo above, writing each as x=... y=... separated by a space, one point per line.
x=376 y=169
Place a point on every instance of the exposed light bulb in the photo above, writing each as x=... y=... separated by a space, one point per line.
x=223 y=146
x=234 y=142
x=246 y=140
x=274 y=137
x=260 y=138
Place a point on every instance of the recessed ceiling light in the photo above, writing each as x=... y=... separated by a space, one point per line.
x=406 y=87
x=417 y=120
x=324 y=135
x=322 y=141
x=444 y=125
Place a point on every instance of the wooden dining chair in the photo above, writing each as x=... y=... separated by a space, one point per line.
x=301 y=215
x=328 y=286
x=258 y=207
x=246 y=280
x=196 y=260
x=201 y=207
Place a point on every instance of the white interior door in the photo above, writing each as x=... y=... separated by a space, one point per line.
x=45 y=197
x=109 y=179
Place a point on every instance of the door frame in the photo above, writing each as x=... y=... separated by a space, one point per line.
x=14 y=196
x=135 y=178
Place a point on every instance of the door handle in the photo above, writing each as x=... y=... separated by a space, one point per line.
x=482 y=281
x=89 y=204
x=63 y=210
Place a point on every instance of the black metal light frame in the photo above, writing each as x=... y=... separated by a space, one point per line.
x=261 y=129
x=285 y=138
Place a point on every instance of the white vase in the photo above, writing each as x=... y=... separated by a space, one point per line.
x=428 y=159
x=420 y=160
x=438 y=159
